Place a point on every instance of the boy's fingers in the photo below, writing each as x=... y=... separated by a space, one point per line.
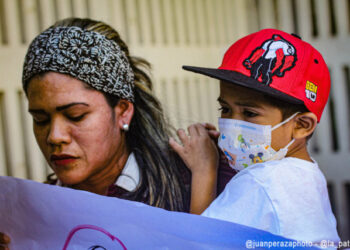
x=182 y=135
x=201 y=129
x=193 y=130
x=209 y=126
x=176 y=146
x=214 y=134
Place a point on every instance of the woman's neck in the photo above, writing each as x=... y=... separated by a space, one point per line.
x=102 y=180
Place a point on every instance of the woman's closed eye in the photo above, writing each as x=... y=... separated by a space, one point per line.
x=40 y=122
x=40 y=119
x=76 y=118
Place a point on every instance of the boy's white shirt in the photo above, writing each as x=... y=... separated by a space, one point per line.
x=287 y=197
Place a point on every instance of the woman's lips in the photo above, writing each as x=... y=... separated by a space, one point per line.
x=62 y=159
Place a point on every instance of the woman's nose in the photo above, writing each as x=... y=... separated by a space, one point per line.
x=59 y=133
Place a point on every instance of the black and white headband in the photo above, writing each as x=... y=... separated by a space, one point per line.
x=82 y=54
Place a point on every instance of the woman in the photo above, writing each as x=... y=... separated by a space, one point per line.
x=95 y=118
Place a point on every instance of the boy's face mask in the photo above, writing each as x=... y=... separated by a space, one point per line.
x=246 y=143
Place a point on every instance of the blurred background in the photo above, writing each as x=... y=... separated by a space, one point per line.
x=172 y=33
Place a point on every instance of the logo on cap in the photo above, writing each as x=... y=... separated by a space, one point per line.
x=311 y=91
x=273 y=58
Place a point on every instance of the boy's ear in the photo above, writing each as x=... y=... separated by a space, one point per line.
x=305 y=124
x=124 y=112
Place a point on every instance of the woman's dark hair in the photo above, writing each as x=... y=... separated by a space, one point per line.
x=162 y=171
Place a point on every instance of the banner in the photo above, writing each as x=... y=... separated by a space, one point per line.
x=40 y=216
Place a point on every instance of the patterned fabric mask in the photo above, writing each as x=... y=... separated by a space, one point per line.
x=246 y=143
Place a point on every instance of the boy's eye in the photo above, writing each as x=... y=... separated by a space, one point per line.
x=249 y=113
x=224 y=110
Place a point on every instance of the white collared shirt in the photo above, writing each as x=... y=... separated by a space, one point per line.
x=129 y=178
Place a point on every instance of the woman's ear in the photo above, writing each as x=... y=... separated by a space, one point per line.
x=124 y=112
x=305 y=125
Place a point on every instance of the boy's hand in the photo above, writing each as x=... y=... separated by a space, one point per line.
x=200 y=154
x=4 y=241
x=213 y=133
x=199 y=151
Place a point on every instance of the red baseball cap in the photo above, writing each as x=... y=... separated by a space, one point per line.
x=277 y=64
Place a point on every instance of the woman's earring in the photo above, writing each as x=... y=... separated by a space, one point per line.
x=126 y=127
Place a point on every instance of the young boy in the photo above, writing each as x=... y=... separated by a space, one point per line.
x=273 y=89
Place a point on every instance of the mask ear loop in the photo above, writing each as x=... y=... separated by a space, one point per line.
x=290 y=143
x=285 y=121
x=283 y=151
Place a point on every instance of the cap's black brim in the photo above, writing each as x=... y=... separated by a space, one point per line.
x=244 y=81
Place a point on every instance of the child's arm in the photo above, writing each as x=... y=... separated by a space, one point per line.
x=200 y=154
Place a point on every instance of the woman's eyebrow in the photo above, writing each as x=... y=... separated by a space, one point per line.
x=36 y=111
x=59 y=108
